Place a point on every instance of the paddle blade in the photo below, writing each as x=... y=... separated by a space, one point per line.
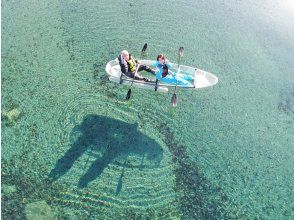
x=181 y=51
x=129 y=94
x=143 y=52
x=174 y=100
x=144 y=48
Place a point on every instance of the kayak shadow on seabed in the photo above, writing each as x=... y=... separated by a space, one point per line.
x=112 y=139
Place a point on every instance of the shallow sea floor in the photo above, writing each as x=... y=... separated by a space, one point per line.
x=73 y=148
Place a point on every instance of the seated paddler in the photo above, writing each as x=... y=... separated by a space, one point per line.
x=165 y=75
x=129 y=65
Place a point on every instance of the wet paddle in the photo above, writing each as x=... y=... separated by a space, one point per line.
x=144 y=49
x=174 y=99
x=128 y=96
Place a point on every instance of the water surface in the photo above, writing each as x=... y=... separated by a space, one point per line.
x=69 y=137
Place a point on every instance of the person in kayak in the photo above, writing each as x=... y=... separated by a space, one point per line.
x=128 y=65
x=165 y=75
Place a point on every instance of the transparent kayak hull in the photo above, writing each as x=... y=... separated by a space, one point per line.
x=201 y=79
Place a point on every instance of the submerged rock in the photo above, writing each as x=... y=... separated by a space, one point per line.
x=11 y=116
x=39 y=210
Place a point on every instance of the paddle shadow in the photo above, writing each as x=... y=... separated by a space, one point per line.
x=120 y=180
x=110 y=139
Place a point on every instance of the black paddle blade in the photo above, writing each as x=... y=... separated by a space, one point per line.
x=129 y=94
x=174 y=100
x=143 y=52
x=144 y=48
x=181 y=51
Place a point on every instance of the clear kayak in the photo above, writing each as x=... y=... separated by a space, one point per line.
x=200 y=78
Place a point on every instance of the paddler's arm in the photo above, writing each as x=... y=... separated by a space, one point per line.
x=156 y=70
x=123 y=64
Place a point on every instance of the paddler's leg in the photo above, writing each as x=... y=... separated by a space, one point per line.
x=138 y=76
x=168 y=79
x=146 y=68
x=143 y=67
x=175 y=80
x=182 y=81
x=185 y=76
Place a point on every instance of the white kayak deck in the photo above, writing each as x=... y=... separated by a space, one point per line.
x=201 y=79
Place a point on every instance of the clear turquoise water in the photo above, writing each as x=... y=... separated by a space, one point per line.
x=225 y=152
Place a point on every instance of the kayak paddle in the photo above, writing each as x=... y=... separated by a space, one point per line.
x=128 y=96
x=174 y=99
x=130 y=90
x=144 y=49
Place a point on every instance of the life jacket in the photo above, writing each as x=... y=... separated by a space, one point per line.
x=131 y=65
x=164 y=68
x=164 y=71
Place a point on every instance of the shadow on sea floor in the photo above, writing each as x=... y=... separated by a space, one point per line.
x=196 y=196
x=110 y=139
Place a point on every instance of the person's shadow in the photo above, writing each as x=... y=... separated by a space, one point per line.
x=110 y=139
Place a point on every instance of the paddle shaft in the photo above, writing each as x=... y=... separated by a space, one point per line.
x=181 y=51
x=138 y=65
x=130 y=90
x=174 y=99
